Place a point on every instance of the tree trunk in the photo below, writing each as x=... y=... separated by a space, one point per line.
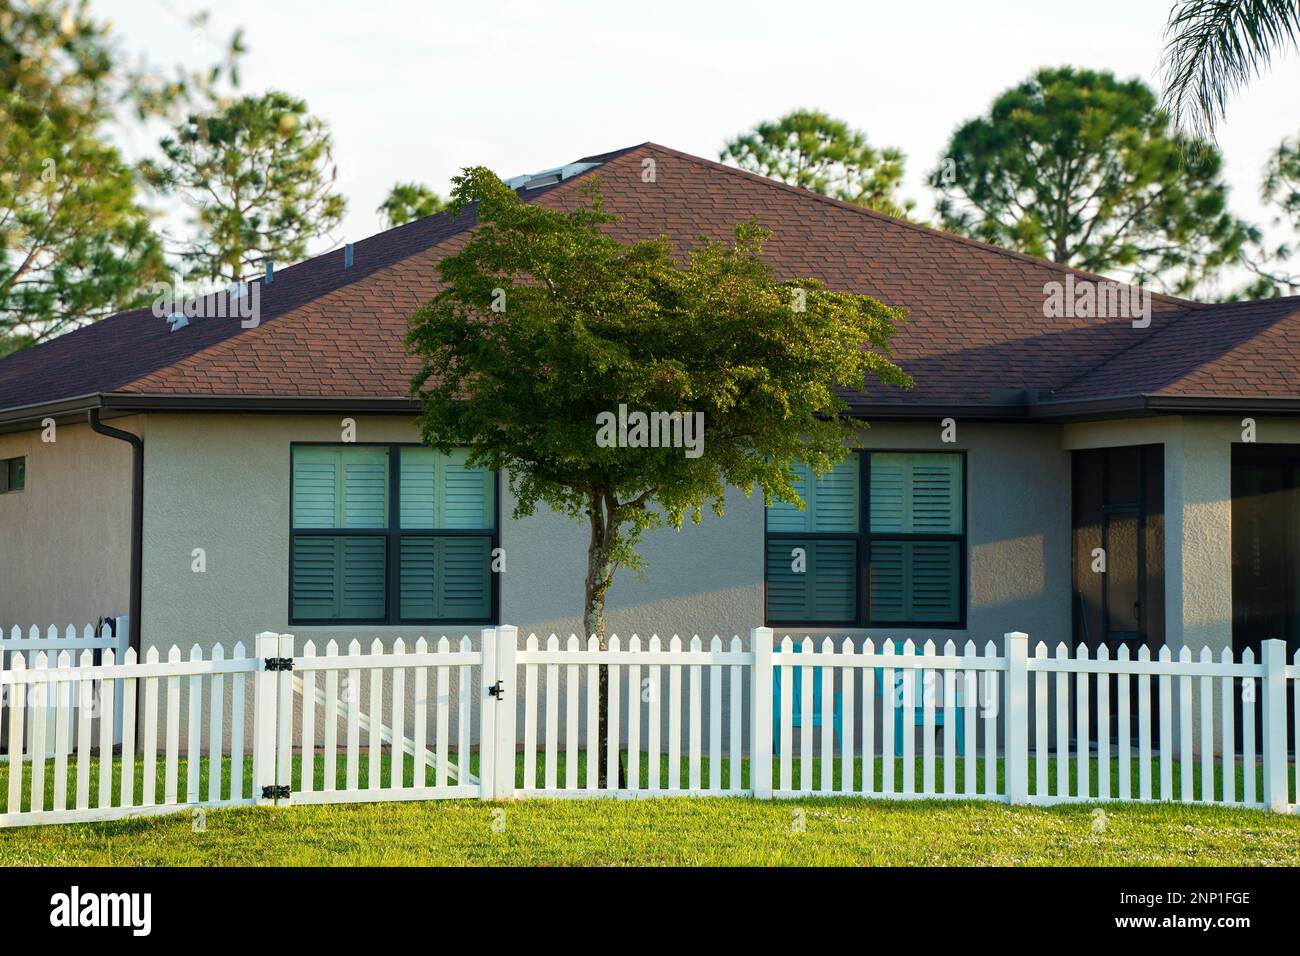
x=604 y=532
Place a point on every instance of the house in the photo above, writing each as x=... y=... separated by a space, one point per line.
x=1038 y=443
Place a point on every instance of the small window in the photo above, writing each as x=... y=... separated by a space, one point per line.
x=13 y=474
x=390 y=534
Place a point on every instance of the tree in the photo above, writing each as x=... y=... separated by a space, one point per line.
x=1215 y=47
x=75 y=242
x=1280 y=190
x=546 y=325
x=258 y=174
x=408 y=201
x=1084 y=169
x=809 y=149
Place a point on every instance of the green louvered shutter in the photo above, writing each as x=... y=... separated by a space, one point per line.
x=340 y=487
x=825 y=591
x=446 y=577
x=338 y=577
x=915 y=494
x=915 y=581
x=831 y=500
x=439 y=492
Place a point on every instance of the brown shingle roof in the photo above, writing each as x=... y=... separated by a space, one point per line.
x=975 y=329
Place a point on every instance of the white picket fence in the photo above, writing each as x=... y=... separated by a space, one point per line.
x=762 y=719
x=111 y=635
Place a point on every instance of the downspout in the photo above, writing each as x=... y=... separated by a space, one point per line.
x=137 y=515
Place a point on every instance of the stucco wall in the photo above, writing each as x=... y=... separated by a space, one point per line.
x=221 y=483
x=65 y=541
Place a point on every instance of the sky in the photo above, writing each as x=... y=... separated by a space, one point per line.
x=417 y=90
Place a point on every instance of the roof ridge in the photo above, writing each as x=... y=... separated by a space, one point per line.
x=915 y=226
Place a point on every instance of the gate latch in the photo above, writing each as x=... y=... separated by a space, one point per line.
x=497 y=691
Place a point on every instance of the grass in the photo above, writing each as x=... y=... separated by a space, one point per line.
x=664 y=831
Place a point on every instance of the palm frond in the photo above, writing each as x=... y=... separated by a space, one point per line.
x=1214 y=47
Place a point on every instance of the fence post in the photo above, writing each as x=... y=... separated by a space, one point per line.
x=1276 y=797
x=760 y=723
x=506 y=707
x=284 y=721
x=266 y=644
x=487 y=725
x=1016 y=757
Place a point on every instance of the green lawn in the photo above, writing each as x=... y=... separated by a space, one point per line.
x=669 y=831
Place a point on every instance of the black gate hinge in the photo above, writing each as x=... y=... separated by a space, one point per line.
x=278 y=663
x=497 y=691
x=274 y=792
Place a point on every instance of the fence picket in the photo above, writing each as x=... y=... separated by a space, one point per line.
x=612 y=769
x=634 y=717
x=695 y=719
x=352 y=696
x=420 y=694
x=593 y=717
x=466 y=716
x=848 y=749
x=307 y=745
x=571 y=720
x=530 y=719
x=929 y=690
x=675 y=718
x=825 y=676
x=1103 y=724
x=888 y=698
x=1249 y=688
x=1186 y=768
x=1165 y=717
x=655 y=711
x=62 y=716
x=715 y=719
x=734 y=753
x=1207 y=731
x=375 y=743
x=396 y=749
x=786 y=682
x=1123 y=712
x=444 y=716
x=1144 y=726
x=17 y=711
x=127 y=792
x=172 y=725
x=1042 y=745
x=552 y=713
x=971 y=698
x=193 y=749
x=1082 y=736
x=216 y=728
x=85 y=705
x=236 y=726
x=1229 y=759
x=990 y=726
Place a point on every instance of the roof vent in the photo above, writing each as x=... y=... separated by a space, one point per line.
x=549 y=177
x=176 y=321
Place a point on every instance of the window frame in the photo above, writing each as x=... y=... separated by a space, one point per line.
x=393 y=535
x=865 y=537
x=6 y=466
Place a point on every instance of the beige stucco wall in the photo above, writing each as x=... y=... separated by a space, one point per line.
x=221 y=483
x=65 y=541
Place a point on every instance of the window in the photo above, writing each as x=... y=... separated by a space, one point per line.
x=396 y=534
x=13 y=474
x=891 y=557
